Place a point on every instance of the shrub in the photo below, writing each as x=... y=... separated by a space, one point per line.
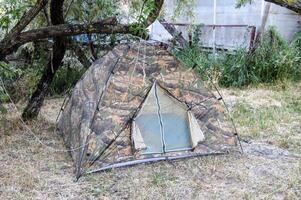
x=65 y=78
x=21 y=78
x=273 y=60
x=67 y=75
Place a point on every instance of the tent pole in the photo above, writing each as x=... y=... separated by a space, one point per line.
x=150 y=160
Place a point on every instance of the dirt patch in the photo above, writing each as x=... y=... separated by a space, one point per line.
x=51 y=109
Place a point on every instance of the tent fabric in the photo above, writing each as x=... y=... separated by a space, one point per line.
x=97 y=120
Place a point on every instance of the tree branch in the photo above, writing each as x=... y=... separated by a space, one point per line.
x=25 y=20
x=106 y=26
x=291 y=5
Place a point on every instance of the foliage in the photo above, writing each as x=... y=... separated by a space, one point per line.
x=273 y=60
x=11 y=11
x=297 y=40
x=8 y=76
x=65 y=78
x=240 y=3
x=19 y=82
x=184 y=8
x=90 y=10
x=22 y=74
x=140 y=11
x=20 y=79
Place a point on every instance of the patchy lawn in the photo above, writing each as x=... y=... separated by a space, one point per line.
x=268 y=114
x=268 y=120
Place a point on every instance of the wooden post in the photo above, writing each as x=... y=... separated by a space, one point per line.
x=214 y=27
x=263 y=21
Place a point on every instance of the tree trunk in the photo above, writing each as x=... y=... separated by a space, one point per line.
x=294 y=5
x=59 y=47
x=263 y=21
x=80 y=54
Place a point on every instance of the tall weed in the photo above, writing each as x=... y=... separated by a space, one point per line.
x=273 y=60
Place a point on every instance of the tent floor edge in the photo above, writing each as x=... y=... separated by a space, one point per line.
x=151 y=160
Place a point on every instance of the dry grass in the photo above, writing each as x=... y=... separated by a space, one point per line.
x=269 y=114
x=29 y=170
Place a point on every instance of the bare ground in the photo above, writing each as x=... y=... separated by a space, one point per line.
x=270 y=168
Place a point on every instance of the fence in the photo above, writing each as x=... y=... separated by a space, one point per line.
x=219 y=37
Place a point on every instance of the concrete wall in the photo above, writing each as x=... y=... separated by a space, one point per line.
x=283 y=19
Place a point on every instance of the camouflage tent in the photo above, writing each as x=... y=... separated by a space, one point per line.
x=140 y=104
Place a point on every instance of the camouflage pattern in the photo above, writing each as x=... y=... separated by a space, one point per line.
x=96 y=121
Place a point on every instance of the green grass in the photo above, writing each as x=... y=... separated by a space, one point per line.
x=280 y=123
x=161 y=179
x=262 y=118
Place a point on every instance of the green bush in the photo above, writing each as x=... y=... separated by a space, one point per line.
x=273 y=60
x=21 y=78
x=19 y=82
x=8 y=77
x=297 y=40
x=65 y=78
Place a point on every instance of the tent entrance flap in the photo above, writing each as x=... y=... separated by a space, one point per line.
x=163 y=123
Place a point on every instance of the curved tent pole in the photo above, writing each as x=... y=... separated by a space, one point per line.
x=79 y=172
x=150 y=160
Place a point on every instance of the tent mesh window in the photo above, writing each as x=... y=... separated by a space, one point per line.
x=164 y=124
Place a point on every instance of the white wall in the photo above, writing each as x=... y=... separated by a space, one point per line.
x=283 y=19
